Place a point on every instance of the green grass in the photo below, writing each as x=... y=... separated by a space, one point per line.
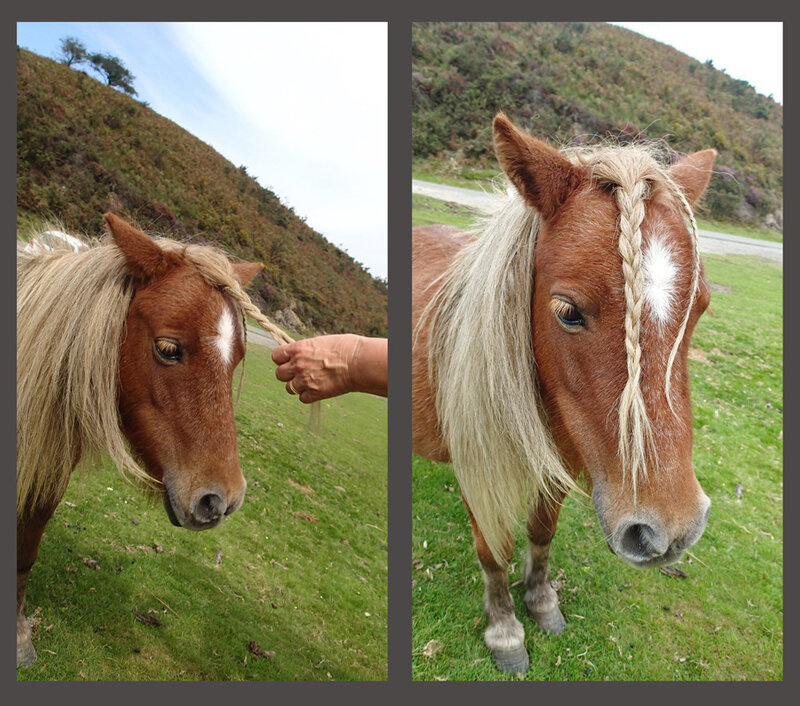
x=723 y=622
x=467 y=177
x=301 y=568
x=430 y=211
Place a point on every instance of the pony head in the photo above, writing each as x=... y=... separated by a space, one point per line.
x=183 y=338
x=617 y=291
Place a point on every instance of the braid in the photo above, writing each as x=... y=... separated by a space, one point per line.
x=635 y=434
x=216 y=269
x=247 y=307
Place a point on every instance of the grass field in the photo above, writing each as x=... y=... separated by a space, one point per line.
x=725 y=620
x=293 y=586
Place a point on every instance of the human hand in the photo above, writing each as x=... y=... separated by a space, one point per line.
x=327 y=366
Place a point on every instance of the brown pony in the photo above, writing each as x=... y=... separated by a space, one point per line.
x=554 y=340
x=133 y=339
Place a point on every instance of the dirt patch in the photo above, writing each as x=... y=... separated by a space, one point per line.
x=702 y=357
x=302 y=488
x=724 y=288
x=698 y=355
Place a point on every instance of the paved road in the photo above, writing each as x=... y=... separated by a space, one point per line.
x=261 y=337
x=710 y=242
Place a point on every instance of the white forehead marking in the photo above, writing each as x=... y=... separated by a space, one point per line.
x=226 y=330
x=660 y=273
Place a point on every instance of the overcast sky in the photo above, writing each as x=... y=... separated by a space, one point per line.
x=302 y=105
x=751 y=51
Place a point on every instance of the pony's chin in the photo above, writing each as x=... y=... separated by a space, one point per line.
x=668 y=558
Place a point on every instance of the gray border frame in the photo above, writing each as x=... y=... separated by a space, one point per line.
x=399 y=688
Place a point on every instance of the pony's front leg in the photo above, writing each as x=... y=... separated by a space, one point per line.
x=540 y=597
x=29 y=535
x=504 y=635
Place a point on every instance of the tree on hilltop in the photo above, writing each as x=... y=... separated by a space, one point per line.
x=72 y=51
x=114 y=71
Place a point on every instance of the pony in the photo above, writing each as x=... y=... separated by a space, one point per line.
x=127 y=348
x=552 y=341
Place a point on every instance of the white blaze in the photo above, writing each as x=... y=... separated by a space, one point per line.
x=226 y=329
x=660 y=273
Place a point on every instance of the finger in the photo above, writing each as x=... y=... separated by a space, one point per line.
x=285 y=372
x=282 y=354
x=307 y=396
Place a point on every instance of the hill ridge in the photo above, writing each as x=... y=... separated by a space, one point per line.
x=84 y=148
x=564 y=81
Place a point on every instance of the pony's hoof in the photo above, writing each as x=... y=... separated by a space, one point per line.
x=551 y=621
x=514 y=661
x=26 y=654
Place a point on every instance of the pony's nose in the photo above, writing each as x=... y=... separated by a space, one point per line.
x=208 y=507
x=645 y=542
x=639 y=542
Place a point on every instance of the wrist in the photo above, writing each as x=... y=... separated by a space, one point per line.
x=368 y=366
x=354 y=363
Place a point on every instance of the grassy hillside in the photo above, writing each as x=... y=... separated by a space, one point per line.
x=567 y=82
x=84 y=148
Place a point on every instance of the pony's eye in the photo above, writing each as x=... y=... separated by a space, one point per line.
x=167 y=350
x=567 y=313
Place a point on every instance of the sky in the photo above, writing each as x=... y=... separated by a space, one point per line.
x=303 y=106
x=750 y=51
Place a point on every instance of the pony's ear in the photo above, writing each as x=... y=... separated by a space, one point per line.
x=541 y=174
x=245 y=271
x=143 y=258
x=692 y=173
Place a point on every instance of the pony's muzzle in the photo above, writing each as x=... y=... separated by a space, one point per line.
x=644 y=542
x=206 y=508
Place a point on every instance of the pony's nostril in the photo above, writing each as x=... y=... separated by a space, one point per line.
x=209 y=507
x=640 y=541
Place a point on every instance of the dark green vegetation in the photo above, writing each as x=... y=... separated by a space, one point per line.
x=84 y=148
x=565 y=82
x=725 y=620
x=300 y=570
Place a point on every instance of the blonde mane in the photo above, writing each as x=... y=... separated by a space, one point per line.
x=481 y=362
x=482 y=372
x=71 y=312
